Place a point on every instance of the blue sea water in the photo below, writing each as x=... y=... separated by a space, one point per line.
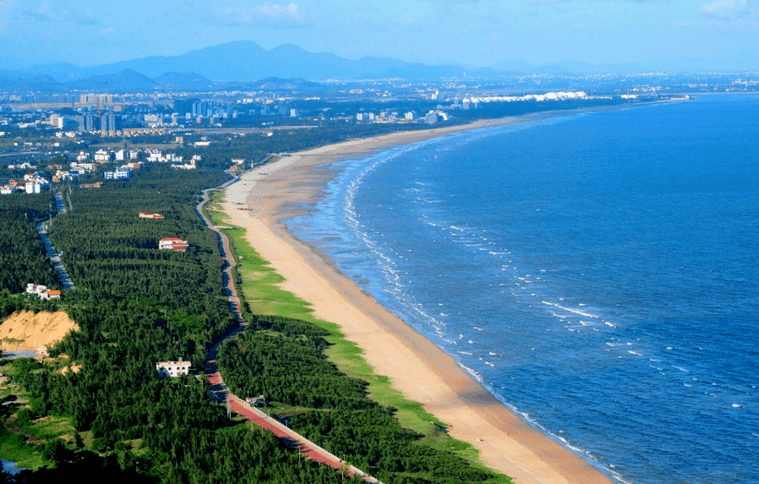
x=597 y=272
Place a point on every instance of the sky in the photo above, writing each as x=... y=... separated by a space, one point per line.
x=469 y=33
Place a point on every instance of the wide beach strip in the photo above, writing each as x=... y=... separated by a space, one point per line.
x=418 y=368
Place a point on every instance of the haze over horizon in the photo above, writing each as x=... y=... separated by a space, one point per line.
x=720 y=34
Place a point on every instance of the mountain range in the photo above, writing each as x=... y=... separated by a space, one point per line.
x=246 y=61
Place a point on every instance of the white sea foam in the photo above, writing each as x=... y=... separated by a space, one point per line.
x=571 y=310
x=472 y=372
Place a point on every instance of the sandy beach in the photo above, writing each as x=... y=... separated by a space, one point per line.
x=416 y=366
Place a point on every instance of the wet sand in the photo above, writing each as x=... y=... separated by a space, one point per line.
x=416 y=366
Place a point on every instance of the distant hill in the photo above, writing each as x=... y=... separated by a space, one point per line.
x=122 y=81
x=279 y=84
x=13 y=81
x=246 y=61
x=184 y=81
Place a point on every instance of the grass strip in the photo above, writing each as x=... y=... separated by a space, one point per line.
x=261 y=289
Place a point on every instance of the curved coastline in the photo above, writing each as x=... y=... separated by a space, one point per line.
x=417 y=367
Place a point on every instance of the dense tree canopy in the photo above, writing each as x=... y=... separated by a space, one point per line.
x=136 y=305
x=22 y=255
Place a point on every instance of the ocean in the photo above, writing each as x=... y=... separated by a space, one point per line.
x=597 y=272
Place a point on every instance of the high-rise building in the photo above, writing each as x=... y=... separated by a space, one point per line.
x=88 y=122
x=109 y=122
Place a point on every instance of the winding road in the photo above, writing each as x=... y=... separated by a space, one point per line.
x=221 y=392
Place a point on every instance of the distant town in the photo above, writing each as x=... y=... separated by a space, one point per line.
x=49 y=137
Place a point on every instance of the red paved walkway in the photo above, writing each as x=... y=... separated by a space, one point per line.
x=221 y=392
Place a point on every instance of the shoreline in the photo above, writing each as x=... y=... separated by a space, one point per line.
x=418 y=368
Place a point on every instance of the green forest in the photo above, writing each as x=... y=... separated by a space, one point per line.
x=136 y=305
x=284 y=359
x=22 y=255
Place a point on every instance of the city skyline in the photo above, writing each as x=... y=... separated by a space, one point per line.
x=469 y=33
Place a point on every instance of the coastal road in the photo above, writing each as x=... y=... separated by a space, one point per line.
x=221 y=392
x=226 y=253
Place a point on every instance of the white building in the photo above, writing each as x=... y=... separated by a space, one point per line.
x=122 y=173
x=172 y=369
x=118 y=174
x=154 y=156
x=102 y=156
x=42 y=292
x=39 y=185
x=82 y=166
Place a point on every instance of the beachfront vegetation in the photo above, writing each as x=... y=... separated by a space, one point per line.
x=284 y=359
x=137 y=305
x=403 y=443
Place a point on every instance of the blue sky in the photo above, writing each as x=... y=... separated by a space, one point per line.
x=471 y=33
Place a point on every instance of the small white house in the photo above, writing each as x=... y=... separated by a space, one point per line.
x=171 y=369
x=102 y=156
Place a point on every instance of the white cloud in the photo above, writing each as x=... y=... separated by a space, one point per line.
x=276 y=11
x=725 y=9
x=270 y=12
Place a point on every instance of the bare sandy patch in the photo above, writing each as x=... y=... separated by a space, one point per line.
x=29 y=331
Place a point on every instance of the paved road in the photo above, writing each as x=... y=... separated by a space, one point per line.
x=51 y=252
x=59 y=203
x=229 y=261
x=221 y=392
x=62 y=274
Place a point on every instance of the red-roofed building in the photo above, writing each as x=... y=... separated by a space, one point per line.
x=150 y=215
x=173 y=243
